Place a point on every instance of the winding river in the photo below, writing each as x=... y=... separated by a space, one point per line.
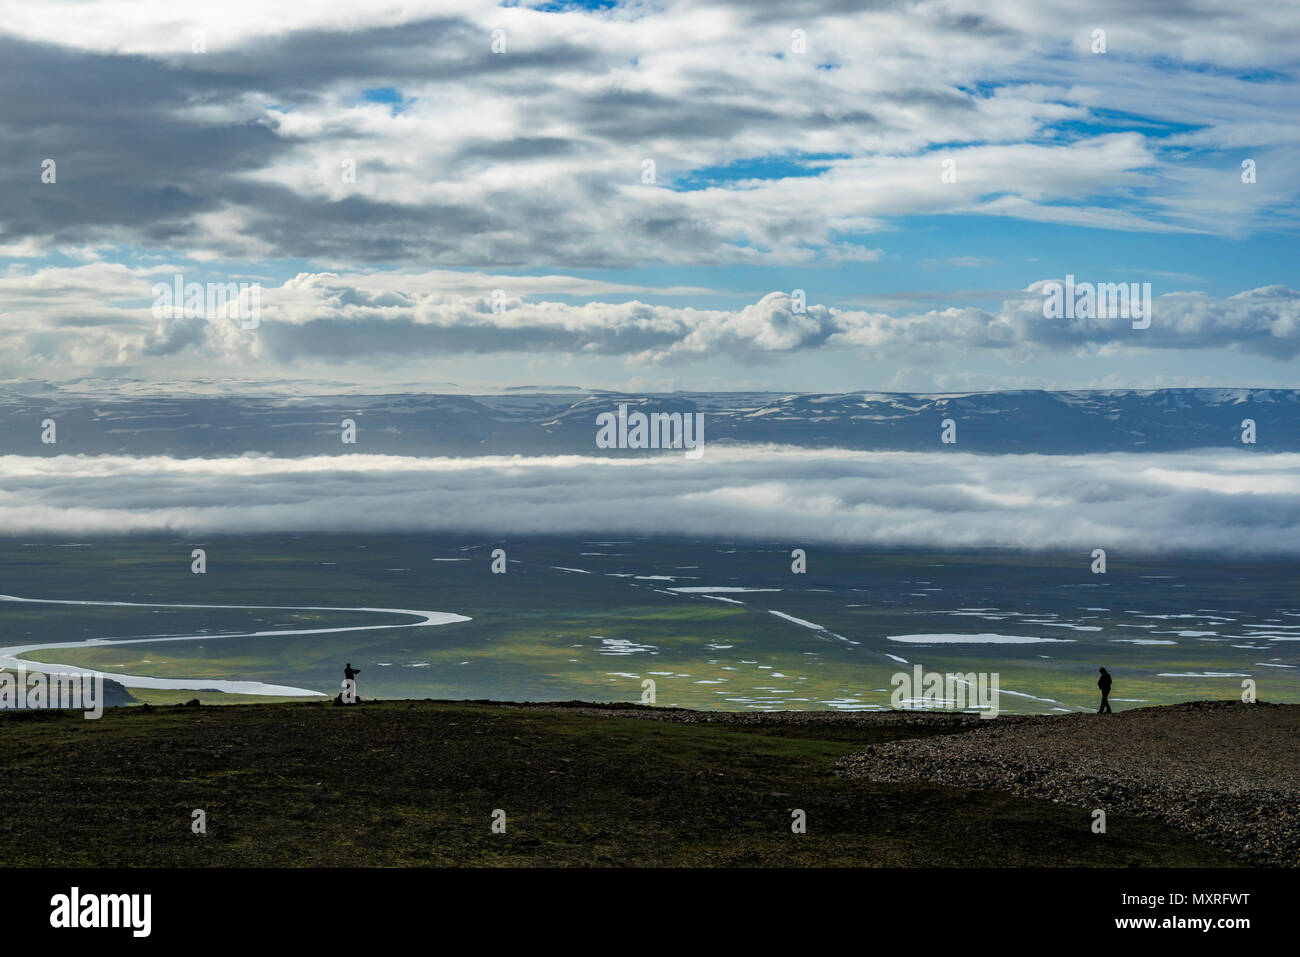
x=9 y=656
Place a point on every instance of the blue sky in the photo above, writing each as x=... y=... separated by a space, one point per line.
x=382 y=173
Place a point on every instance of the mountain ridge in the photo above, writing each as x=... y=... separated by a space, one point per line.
x=530 y=423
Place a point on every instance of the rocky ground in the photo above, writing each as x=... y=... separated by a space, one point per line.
x=1226 y=772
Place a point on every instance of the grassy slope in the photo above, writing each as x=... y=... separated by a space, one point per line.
x=414 y=783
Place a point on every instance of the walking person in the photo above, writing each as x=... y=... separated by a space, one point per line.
x=1104 y=684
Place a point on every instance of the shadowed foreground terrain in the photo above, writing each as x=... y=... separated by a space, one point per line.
x=415 y=783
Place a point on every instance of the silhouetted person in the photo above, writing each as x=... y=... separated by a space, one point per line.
x=349 y=675
x=1104 y=684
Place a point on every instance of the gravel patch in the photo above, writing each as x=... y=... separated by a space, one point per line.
x=1227 y=772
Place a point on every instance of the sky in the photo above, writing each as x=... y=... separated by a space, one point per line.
x=747 y=195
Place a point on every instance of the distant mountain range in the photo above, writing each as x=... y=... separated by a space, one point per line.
x=539 y=423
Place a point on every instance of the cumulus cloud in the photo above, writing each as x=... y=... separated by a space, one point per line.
x=359 y=318
x=1221 y=502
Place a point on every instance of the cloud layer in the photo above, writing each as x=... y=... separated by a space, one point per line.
x=91 y=316
x=536 y=154
x=1219 y=502
x=664 y=169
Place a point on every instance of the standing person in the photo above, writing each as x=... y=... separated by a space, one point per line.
x=1104 y=684
x=349 y=695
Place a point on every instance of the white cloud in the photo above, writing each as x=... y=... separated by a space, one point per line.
x=368 y=318
x=535 y=155
x=1222 y=502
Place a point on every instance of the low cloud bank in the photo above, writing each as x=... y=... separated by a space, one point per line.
x=1226 y=502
